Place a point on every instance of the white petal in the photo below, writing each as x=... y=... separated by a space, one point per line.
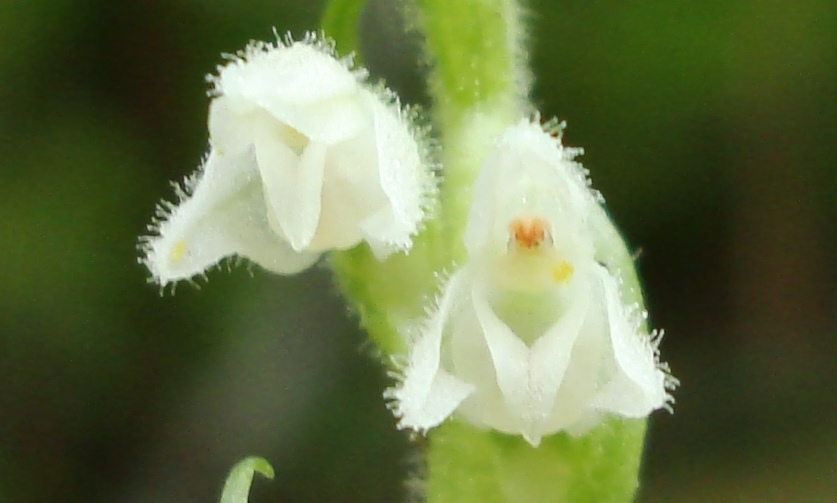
x=638 y=386
x=231 y=128
x=297 y=73
x=224 y=216
x=292 y=184
x=351 y=192
x=470 y=360
x=384 y=234
x=405 y=180
x=530 y=378
x=528 y=171
x=329 y=121
x=301 y=85
x=510 y=358
x=533 y=146
x=482 y=217
x=427 y=394
x=445 y=393
x=552 y=355
x=583 y=376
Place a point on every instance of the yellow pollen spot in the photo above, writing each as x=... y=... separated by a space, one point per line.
x=562 y=272
x=177 y=251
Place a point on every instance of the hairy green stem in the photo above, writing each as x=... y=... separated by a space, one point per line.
x=467 y=465
x=479 y=81
x=340 y=23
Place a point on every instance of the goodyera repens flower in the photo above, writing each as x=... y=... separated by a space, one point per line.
x=531 y=336
x=304 y=158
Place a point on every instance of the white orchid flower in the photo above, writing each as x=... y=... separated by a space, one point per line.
x=531 y=335
x=304 y=158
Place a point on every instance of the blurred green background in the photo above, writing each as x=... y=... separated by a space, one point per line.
x=709 y=125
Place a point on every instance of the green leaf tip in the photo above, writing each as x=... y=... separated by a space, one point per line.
x=237 y=486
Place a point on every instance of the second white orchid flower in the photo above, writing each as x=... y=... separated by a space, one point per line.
x=304 y=157
x=531 y=335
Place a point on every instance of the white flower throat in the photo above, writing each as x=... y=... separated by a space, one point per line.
x=528 y=281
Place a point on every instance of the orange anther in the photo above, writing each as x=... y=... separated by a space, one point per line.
x=528 y=232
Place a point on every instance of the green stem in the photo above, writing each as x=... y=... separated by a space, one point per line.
x=389 y=295
x=340 y=23
x=467 y=465
x=479 y=81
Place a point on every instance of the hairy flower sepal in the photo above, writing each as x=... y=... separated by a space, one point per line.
x=531 y=335
x=304 y=158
